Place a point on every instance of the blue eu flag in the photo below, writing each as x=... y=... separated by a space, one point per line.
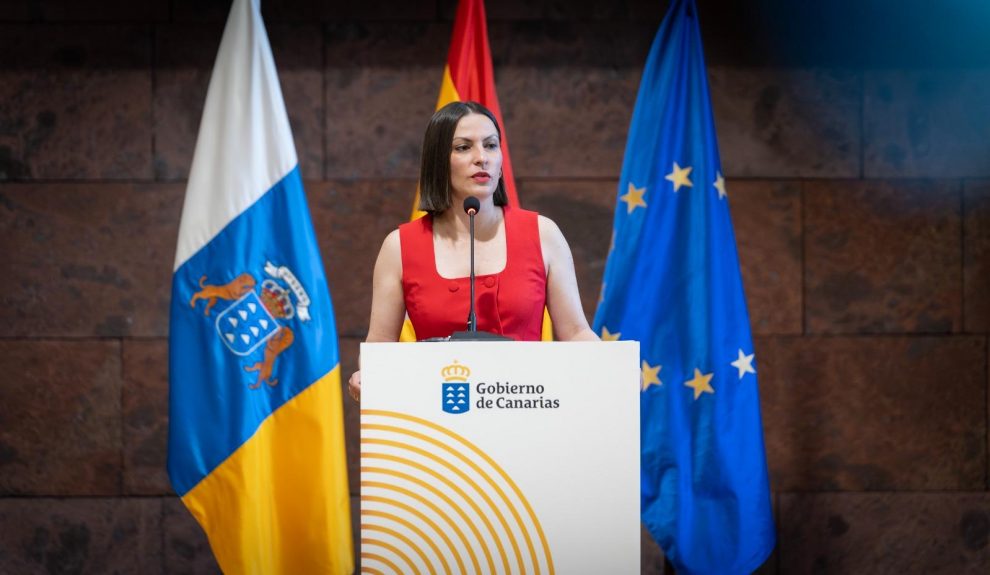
x=672 y=282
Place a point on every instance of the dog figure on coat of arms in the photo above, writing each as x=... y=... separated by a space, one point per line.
x=255 y=317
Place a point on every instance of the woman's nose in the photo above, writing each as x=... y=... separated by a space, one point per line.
x=481 y=157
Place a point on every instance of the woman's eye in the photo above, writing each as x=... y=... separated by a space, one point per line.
x=491 y=145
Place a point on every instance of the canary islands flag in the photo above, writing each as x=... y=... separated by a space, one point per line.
x=256 y=449
x=672 y=282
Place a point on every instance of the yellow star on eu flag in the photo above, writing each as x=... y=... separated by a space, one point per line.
x=606 y=336
x=634 y=198
x=680 y=177
x=700 y=383
x=650 y=375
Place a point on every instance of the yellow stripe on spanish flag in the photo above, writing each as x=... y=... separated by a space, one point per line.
x=468 y=76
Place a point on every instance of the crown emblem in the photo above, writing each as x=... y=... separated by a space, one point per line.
x=455 y=372
x=276 y=300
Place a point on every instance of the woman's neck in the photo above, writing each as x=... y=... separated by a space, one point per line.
x=455 y=222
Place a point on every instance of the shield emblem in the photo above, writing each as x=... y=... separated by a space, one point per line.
x=246 y=325
x=456 y=397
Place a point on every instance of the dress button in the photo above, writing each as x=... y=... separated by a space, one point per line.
x=489 y=282
x=453 y=287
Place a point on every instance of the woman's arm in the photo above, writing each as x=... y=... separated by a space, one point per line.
x=388 y=309
x=563 y=299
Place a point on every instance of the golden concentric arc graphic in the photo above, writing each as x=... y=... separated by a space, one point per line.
x=434 y=503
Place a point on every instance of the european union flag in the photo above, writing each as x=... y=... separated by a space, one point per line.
x=672 y=282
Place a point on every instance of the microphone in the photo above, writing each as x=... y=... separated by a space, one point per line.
x=471 y=207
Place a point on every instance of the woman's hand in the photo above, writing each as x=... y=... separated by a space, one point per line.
x=354 y=386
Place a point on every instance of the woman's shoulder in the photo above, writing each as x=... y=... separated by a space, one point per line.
x=552 y=240
x=415 y=234
x=524 y=219
x=419 y=224
x=392 y=244
x=548 y=228
x=517 y=212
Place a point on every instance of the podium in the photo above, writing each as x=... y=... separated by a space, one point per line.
x=500 y=457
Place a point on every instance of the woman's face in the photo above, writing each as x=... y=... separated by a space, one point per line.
x=475 y=158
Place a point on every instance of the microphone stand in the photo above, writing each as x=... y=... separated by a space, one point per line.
x=471 y=206
x=472 y=321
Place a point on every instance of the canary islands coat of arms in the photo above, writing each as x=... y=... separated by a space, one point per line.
x=257 y=315
x=456 y=389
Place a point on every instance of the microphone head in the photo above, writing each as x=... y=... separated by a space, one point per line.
x=471 y=205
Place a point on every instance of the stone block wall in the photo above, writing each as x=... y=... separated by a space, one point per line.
x=856 y=141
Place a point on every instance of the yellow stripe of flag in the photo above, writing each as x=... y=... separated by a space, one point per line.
x=258 y=507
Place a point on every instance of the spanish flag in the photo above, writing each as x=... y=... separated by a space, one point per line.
x=468 y=76
x=256 y=444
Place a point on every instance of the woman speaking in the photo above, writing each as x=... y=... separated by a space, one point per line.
x=522 y=260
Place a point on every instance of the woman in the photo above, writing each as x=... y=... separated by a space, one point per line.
x=522 y=261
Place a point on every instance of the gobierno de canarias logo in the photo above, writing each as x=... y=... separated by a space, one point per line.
x=497 y=395
x=456 y=390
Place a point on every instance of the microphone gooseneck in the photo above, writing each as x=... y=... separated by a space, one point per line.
x=471 y=207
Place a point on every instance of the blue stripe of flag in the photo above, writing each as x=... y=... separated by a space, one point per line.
x=214 y=411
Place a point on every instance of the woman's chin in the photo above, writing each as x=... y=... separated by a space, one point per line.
x=481 y=192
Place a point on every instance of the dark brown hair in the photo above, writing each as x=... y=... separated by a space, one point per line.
x=434 y=172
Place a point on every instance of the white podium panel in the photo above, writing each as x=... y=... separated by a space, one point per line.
x=501 y=457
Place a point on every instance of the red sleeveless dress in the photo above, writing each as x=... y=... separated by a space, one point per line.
x=509 y=303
